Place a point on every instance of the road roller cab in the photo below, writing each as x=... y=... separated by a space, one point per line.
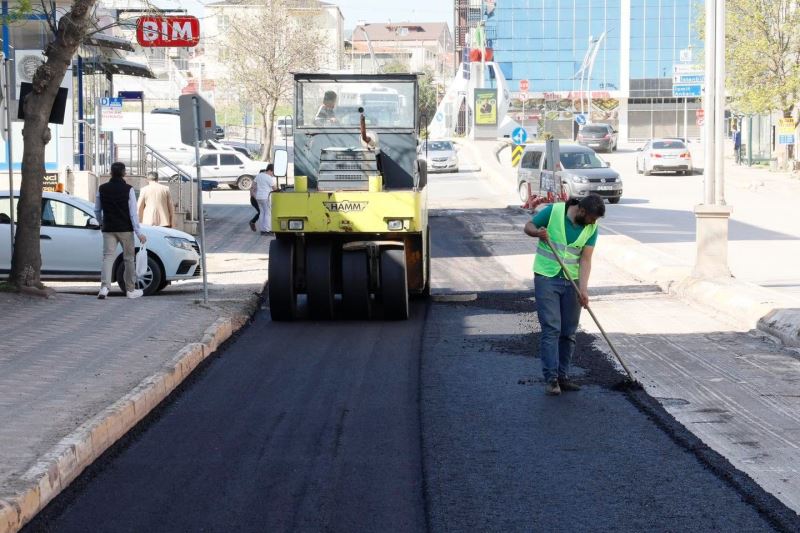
x=351 y=231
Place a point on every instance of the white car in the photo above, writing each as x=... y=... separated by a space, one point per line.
x=225 y=166
x=664 y=155
x=72 y=246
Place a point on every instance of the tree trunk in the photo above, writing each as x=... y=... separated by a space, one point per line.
x=26 y=261
x=268 y=125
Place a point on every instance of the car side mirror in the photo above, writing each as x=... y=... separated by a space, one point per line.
x=606 y=164
x=92 y=223
x=280 y=163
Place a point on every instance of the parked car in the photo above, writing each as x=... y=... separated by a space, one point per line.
x=599 y=137
x=72 y=246
x=664 y=155
x=224 y=166
x=219 y=132
x=440 y=156
x=580 y=171
x=166 y=111
x=251 y=150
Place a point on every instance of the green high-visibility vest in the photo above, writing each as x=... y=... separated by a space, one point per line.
x=570 y=253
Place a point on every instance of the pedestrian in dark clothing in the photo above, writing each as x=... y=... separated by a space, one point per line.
x=737 y=145
x=569 y=230
x=116 y=211
x=254 y=203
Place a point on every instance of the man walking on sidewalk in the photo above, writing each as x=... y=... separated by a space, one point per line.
x=155 y=203
x=115 y=210
x=571 y=231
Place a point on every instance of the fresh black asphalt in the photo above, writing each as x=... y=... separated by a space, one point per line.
x=438 y=423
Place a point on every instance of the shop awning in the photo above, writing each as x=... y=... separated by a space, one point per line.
x=109 y=41
x=116 y=66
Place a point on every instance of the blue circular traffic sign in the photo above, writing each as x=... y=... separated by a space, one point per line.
x=519 y=135
x=580 y=118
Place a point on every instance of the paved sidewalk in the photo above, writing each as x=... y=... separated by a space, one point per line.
x=66 y=359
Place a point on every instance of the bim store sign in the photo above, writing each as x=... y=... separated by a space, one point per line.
x=168 y=31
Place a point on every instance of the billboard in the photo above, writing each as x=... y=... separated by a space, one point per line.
x=485 y=107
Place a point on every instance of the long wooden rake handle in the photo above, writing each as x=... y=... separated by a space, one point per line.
x=578 y=291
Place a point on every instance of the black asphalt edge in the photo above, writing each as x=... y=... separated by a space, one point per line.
x=426 y=494
x=609 y=377
x=770 y=507
x=51 y=512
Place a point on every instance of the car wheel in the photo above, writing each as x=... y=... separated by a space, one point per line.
x=523 y=191
x=150 y=283
x=244 y=183
x=613 y=200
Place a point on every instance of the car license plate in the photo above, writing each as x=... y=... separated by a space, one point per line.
x=604 y=187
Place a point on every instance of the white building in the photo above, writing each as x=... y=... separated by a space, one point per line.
x=416 y=46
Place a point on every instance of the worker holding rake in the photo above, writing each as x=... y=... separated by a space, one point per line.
x=569 y=230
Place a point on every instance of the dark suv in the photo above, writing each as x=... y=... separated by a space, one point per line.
x=598 y=137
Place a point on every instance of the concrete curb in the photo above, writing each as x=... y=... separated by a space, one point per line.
x=745 y=304
x=64 y=462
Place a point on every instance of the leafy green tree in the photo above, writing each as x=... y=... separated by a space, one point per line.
x=428 y=100
x=763 y=55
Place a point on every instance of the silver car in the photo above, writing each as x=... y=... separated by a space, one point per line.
x=440 y=155
x=664 y=155
x=579 y=173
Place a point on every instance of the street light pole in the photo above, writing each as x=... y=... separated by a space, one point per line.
x=719 y=120
x=712 y=215
x=709 y=103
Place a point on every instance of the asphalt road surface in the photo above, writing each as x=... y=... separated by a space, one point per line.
x=438 y=423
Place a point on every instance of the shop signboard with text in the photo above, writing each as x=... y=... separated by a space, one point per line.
x=183 y=31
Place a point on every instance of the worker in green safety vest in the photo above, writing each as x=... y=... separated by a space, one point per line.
x=571 y=230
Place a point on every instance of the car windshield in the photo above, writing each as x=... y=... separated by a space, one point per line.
x=439 y=146
x=571 y=160
x=668 y=145
x=335 y=104
x=595 y=129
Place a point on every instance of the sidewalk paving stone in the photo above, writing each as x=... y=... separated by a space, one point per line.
x=64 y=360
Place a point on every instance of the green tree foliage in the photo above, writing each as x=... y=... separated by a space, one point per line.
x=427 y=96
x=763 y=55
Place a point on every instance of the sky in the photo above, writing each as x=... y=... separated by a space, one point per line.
x=404 y=10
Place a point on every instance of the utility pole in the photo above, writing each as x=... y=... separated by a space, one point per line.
x=713 y=215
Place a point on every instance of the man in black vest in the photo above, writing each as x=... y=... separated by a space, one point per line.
x=115 y=210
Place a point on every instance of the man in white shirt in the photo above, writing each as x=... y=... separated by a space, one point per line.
x=265 y=183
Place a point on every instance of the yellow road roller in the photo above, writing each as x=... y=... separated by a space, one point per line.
x=351 y=232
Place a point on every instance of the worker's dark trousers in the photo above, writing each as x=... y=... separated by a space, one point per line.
x=559 y=311
x=254 y=203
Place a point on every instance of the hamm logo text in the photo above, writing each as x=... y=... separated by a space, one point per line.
x=345 y=206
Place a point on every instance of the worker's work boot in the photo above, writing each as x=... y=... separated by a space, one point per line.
x=552 y=388
x=568 y=386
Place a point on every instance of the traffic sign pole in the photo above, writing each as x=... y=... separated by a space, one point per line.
x=197 y=128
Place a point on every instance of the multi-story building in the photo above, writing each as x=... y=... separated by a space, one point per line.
x=412 y=46
x=322 y=16
x=641 y=41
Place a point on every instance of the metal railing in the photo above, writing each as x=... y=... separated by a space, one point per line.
x=131 y=151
